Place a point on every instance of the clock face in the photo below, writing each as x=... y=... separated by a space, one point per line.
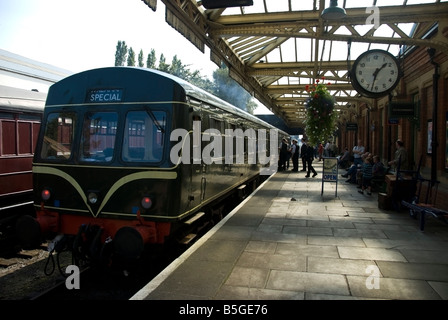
x=375 y=73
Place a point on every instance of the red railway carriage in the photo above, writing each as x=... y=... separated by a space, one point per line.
x=20 y=117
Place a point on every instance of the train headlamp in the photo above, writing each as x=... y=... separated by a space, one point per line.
x=46 y=194
x=146 y=202
x=92 y=197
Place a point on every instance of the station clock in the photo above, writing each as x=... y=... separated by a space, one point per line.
x=375 y=73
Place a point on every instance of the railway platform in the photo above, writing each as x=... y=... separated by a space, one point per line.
x=290 y=241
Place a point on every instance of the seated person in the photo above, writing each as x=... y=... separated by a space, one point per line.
x=378 y=167
x=366 y=176
x=344 y=160
x=355 y=170
x=378 y=172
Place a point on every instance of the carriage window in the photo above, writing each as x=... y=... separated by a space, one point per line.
x=143 y=136
x=98 y=136
x=58 y=136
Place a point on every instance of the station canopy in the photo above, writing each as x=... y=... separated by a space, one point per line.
x=274 y=48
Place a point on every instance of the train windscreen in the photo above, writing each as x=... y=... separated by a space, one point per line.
x=58 y=138
x=98 y=136
x=143 y=136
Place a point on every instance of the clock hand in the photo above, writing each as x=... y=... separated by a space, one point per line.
x=375 y=74
x=382 y=67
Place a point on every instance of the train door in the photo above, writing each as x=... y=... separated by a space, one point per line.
x=204 y=166
x=196 y=184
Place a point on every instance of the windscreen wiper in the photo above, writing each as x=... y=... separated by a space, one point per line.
x=153 y=118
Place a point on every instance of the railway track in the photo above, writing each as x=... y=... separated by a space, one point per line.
x=8 y=217
x=37 y=275
x=22 y=276
x=106 y=284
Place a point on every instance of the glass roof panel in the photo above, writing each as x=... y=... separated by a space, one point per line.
x=411 y=2
x=297 y=5
x=291 y=57
x=258 y=7
x=277 y=6
x=385 y=3
x=353 y=3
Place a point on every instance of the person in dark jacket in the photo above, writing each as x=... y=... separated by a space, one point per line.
x=344 y=160
x=283 y=155
x=295 y=156
x=303 y=149
x=309 y=161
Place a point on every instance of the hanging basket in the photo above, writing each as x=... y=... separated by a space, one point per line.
x=320 y=121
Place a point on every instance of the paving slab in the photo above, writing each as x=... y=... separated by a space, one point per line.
x=290 y=241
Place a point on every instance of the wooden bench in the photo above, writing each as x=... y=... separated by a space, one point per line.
x=378 y=183
x=424 y=205
x=422 y=210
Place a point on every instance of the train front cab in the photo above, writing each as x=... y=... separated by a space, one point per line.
x=114 y=188
x=102 y=170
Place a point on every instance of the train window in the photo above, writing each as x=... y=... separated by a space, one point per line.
x=98 y=136
x=144 y=136
x=24 y=132
x=9 y=137
x=7 y=115
x=29 y=117
x=58 y=137
x=19 y=135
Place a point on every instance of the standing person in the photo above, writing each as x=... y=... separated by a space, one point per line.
x=334 y=149
x=283 y=155
x=327 y=149
x=303 y=149
x=320 y=150
x=309 y=161
x=400 y=155
x=288 y=155
x=358 y=150
x=331 y=146
x=295 y=156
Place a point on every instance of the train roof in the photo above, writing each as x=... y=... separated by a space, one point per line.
x=202 y=95
x=138 y=75
x=19 y=67
x=21 y=100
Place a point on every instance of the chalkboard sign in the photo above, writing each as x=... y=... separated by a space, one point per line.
x=330 y=172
